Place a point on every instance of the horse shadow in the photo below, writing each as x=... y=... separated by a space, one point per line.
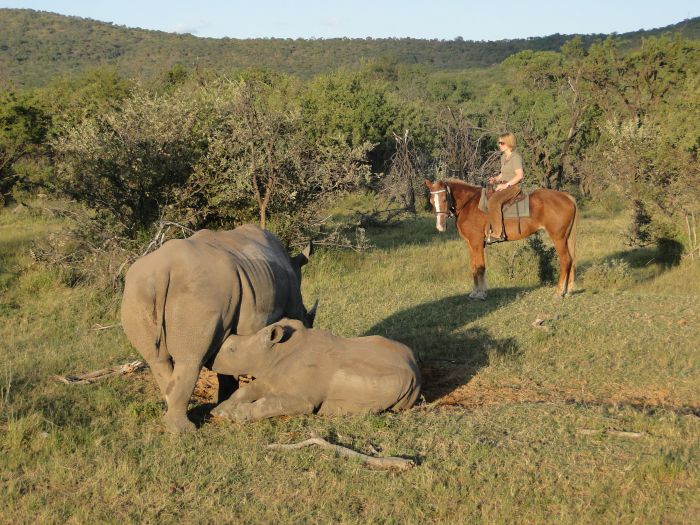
x=450 y=353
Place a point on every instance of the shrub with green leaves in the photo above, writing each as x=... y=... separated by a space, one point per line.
x=610 y=274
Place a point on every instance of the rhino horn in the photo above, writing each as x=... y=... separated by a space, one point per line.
x=302 y=258
x=311 y=315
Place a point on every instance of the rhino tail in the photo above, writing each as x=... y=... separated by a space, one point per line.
x=160 y=294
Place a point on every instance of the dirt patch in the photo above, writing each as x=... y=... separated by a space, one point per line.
x=206 y=388
x=453 y=386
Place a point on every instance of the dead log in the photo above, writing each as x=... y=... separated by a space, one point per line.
x=91 y=377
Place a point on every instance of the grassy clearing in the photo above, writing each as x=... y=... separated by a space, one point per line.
x=517 y=433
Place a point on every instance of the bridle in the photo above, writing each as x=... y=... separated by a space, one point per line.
x=451 y=209
x=450 y=202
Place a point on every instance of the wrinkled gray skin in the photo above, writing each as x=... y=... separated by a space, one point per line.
x=183 y=300
x=303 y=371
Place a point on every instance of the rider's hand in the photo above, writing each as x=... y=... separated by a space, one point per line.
x=501 y=186
x=492 y=180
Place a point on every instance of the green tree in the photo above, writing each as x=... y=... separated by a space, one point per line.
x=125 y=163
x=349 y=105
x=23 y=130
x=261 y=161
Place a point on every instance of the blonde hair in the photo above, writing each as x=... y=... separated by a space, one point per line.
x=509 y=139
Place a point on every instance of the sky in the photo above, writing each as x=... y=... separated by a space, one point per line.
x=441 y=19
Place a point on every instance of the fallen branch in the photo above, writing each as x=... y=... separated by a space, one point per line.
x=387 y=463
x=610 y=432
x=97 y=375
x=98 y=326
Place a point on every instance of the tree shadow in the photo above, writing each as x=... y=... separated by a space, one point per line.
x=449 y=353
x=419 y=230
x=647 y=262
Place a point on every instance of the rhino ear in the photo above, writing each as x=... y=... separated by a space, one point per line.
x=272 y=335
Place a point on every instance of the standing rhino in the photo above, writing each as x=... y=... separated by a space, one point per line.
x=183 y=300
x=302 y=371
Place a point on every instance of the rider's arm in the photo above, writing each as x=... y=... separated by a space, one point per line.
x=518 y=177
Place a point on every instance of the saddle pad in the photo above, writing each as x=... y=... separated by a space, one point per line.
x=510 y=211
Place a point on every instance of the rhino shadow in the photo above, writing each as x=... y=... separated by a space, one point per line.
x=449 y=352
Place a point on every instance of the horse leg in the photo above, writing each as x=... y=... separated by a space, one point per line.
x=478 y=267
x=565 y=264
x=570 y=283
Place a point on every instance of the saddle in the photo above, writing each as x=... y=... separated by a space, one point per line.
x=518 y=206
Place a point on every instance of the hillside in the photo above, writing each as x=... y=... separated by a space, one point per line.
x=37 y=46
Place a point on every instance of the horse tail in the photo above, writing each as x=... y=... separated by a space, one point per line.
x=571 y=234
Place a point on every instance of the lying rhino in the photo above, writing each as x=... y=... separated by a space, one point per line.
x=303 y=371
x=183 y=300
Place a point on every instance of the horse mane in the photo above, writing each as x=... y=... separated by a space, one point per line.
x=459 y=182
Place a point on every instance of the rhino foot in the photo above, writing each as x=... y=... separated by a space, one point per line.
x=218 y=411
x=178 y=424
x=237 y=413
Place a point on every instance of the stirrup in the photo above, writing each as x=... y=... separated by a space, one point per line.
x=495 y=240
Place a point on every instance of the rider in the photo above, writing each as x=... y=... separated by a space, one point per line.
x=510 y=176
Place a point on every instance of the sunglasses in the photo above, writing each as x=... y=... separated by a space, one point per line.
x=501 y=143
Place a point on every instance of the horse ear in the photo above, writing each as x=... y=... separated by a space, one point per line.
x=427 y=183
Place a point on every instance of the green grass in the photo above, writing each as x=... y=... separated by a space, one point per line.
x=517 y=434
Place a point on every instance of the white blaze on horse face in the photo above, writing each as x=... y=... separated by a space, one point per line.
x=440 y=215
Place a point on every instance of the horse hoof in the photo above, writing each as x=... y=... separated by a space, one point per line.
x=478 y=296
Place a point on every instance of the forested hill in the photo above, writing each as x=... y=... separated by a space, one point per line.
x=36 y=46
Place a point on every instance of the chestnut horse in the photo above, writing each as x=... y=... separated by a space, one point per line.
x=554 y=211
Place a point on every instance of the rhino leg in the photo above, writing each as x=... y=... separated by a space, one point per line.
x=271 y=406
x=246 y=394
x=162 y=369
x=178 y=393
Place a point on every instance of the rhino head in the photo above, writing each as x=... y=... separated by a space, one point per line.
x=248 y=354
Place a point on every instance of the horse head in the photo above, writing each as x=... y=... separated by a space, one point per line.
x=441 y=201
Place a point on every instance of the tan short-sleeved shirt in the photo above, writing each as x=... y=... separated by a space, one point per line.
x=509 y=166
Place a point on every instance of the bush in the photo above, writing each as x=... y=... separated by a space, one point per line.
x=611 y=274
x=125 y=164
x=529 y=263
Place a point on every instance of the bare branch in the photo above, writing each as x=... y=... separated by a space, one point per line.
x=385 y=463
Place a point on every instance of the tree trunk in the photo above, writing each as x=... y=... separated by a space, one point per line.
x=263 y=216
